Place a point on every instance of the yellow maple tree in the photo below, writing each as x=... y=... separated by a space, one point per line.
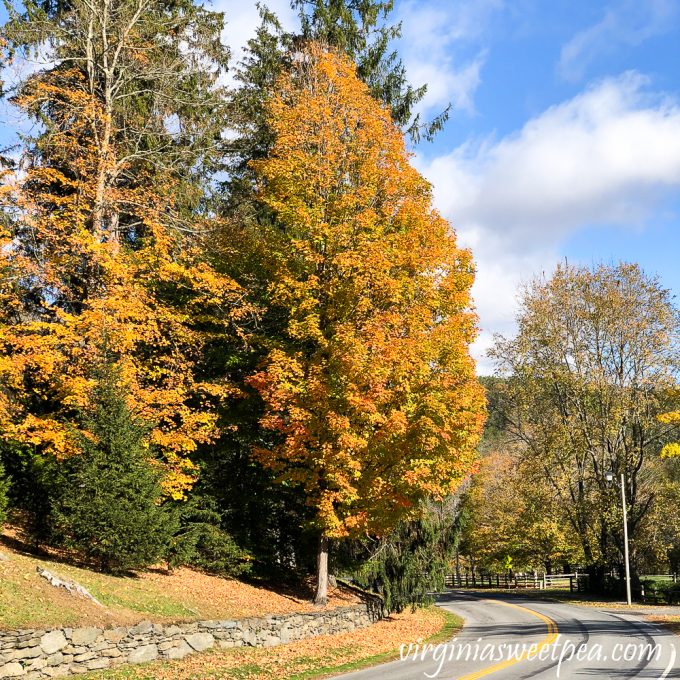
x=371 y=388
x=672 y=418
x=72 y=291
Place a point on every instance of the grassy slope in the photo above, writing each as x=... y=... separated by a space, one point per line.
x=28 y=601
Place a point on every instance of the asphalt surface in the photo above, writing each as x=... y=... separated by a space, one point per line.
x=513 y=638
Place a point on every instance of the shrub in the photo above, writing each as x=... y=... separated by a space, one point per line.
x=202 y=543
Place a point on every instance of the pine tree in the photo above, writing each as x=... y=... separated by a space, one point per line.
x=409 y=563
x=359 y=28
x=107 y=502
x=201 y=542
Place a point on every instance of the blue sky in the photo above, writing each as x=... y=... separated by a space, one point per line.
x=564 y=140
x=565 y=137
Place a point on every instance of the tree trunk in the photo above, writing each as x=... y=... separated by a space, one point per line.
x=103 y=170
x=321 y=597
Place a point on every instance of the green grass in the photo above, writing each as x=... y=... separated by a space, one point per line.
x=129 y=593
x=19 y=607
x=27 y=600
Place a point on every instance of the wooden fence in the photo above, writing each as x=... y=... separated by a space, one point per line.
x=574 y=582
x=668 y=578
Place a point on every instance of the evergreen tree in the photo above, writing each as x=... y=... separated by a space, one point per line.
x=270 y=521
x=360 y=29
x=201 y=542
x=107 y=502
x=412 y=561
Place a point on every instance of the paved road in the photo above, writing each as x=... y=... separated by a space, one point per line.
x=574 y=643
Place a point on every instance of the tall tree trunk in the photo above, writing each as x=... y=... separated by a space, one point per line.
x=102 y=172
x=104 y=135
x=321 y=597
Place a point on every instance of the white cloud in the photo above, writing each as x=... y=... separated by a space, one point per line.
x=441 y=46
x=625 y=24
x=13 y=121
x=611 y=156
x=242 y=19
x=439 y=23
x=446 y=84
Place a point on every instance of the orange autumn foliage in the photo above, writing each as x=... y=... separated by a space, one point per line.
x=71 y=291
x=371 y=389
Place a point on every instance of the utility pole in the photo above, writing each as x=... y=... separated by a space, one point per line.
x=625 y=539
x=609 y=476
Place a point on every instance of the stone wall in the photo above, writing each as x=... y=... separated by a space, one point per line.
x=65 y=651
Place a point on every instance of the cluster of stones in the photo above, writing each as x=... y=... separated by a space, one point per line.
x=65 y=651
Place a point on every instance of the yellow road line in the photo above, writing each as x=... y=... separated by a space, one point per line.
x=533 y=650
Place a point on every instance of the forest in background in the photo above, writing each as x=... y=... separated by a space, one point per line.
x=586 y=391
